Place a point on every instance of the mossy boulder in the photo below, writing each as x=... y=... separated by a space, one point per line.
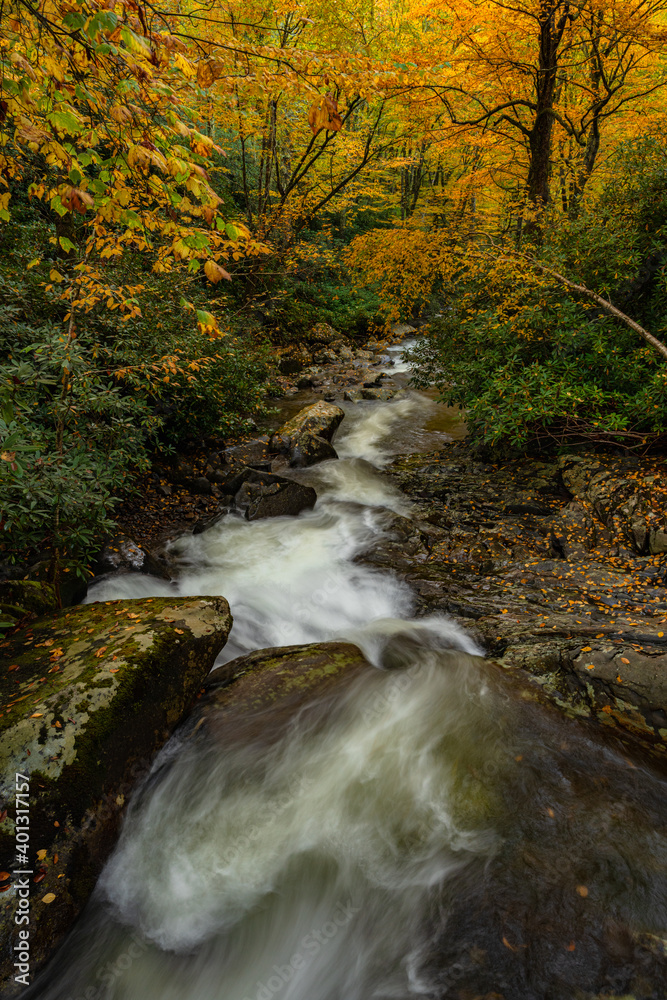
x=88 y=696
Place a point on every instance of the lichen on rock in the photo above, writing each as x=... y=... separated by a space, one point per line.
x=88 y=696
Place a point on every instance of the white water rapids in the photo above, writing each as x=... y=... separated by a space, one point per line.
x=330 y=863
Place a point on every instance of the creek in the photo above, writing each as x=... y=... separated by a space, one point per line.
x=424 y=832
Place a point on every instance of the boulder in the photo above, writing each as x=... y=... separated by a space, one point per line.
x=353 y=395
x=310 y=449
x=122 y=555
x=377 y=393
x=88 y=696
x=263 y=494
x=258 y=495
x=306 y=438
x=320 y=418
x=285 y=679
x=323 y=333
x=254 y=453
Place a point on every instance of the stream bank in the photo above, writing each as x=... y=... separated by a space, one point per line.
x=359 y=798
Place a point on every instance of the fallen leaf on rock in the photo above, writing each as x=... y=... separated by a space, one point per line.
x=582 y=890
x=101 y=651
x=50 y=896
x=37 y=715
x=41 y=854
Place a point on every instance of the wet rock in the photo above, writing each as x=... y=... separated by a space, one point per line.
x=287 y=679
x=353 y=395
x=622 y=499
x=378 y=393
x=657 y=541
x=201 y=485
x=310 y=449
x=323 y=333
x=91 y=694
x=541 y=581
x=306 y=438
x=253 y=454
x=266 y=495
x=321 y=418
x=122 y=555
x=572 y=532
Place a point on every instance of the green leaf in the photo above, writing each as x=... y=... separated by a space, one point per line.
x=66 y=122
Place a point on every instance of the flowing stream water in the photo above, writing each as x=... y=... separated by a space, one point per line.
x=423 y=832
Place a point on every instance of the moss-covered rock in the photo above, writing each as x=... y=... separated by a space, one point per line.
x=87 y=698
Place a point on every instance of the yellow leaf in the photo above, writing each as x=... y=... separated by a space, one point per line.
x=215 y=273
x=50 y=896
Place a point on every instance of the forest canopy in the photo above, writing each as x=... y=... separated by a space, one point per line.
x=183 y=186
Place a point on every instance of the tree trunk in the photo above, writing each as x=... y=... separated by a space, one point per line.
x=553 y=18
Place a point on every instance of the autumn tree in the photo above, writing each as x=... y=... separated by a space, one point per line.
x=549 y=75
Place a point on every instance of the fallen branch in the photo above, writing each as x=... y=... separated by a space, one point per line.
x=604 y=305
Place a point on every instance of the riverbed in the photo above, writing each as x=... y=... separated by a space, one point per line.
x=430 y=834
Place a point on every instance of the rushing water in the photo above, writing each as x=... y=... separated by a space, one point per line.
x=420 y=832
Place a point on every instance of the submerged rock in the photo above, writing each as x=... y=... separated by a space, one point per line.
x=88 y=697
x=287 y=678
